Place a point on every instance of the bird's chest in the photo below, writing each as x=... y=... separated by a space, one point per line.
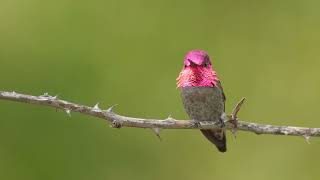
x=203 y=103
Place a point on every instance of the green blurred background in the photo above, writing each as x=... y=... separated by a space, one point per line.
x=129 y=53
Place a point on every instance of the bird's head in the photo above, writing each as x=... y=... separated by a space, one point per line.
x=196 y=58
x=197 y=71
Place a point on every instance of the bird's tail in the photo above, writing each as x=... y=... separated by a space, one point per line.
x=217 y=137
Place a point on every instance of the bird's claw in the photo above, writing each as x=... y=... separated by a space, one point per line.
x=196 y=123
x=222 y=124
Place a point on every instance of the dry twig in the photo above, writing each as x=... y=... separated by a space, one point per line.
x=118 y=121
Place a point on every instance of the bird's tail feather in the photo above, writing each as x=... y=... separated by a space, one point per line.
x=217 y=137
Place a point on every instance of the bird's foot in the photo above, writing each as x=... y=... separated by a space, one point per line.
x=221 y=123
x=196 y=123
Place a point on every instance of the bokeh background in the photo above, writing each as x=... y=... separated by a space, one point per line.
x=129 y=53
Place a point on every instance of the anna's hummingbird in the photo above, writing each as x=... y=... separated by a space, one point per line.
x=202 y=94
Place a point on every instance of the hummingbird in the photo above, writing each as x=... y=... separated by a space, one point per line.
x=202 y=94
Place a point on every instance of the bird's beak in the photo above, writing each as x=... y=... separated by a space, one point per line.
x=197 y=62
x=189 y=62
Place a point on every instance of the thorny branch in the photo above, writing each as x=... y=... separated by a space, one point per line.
x=118 y=121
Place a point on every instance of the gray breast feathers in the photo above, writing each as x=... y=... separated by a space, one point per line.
x=203 y=103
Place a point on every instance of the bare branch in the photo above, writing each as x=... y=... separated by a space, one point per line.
x=118 y=121
x=237 y=108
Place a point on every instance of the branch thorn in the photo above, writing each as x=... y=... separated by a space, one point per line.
x=169 y=118
x=45 y=94
x=110 y=109
x=157 y=132
x=68 y=111
x=307 y=138
x=96 y=107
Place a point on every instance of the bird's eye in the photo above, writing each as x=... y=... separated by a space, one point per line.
x=206 y=64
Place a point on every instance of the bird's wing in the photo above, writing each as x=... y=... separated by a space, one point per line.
x=223 y=95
